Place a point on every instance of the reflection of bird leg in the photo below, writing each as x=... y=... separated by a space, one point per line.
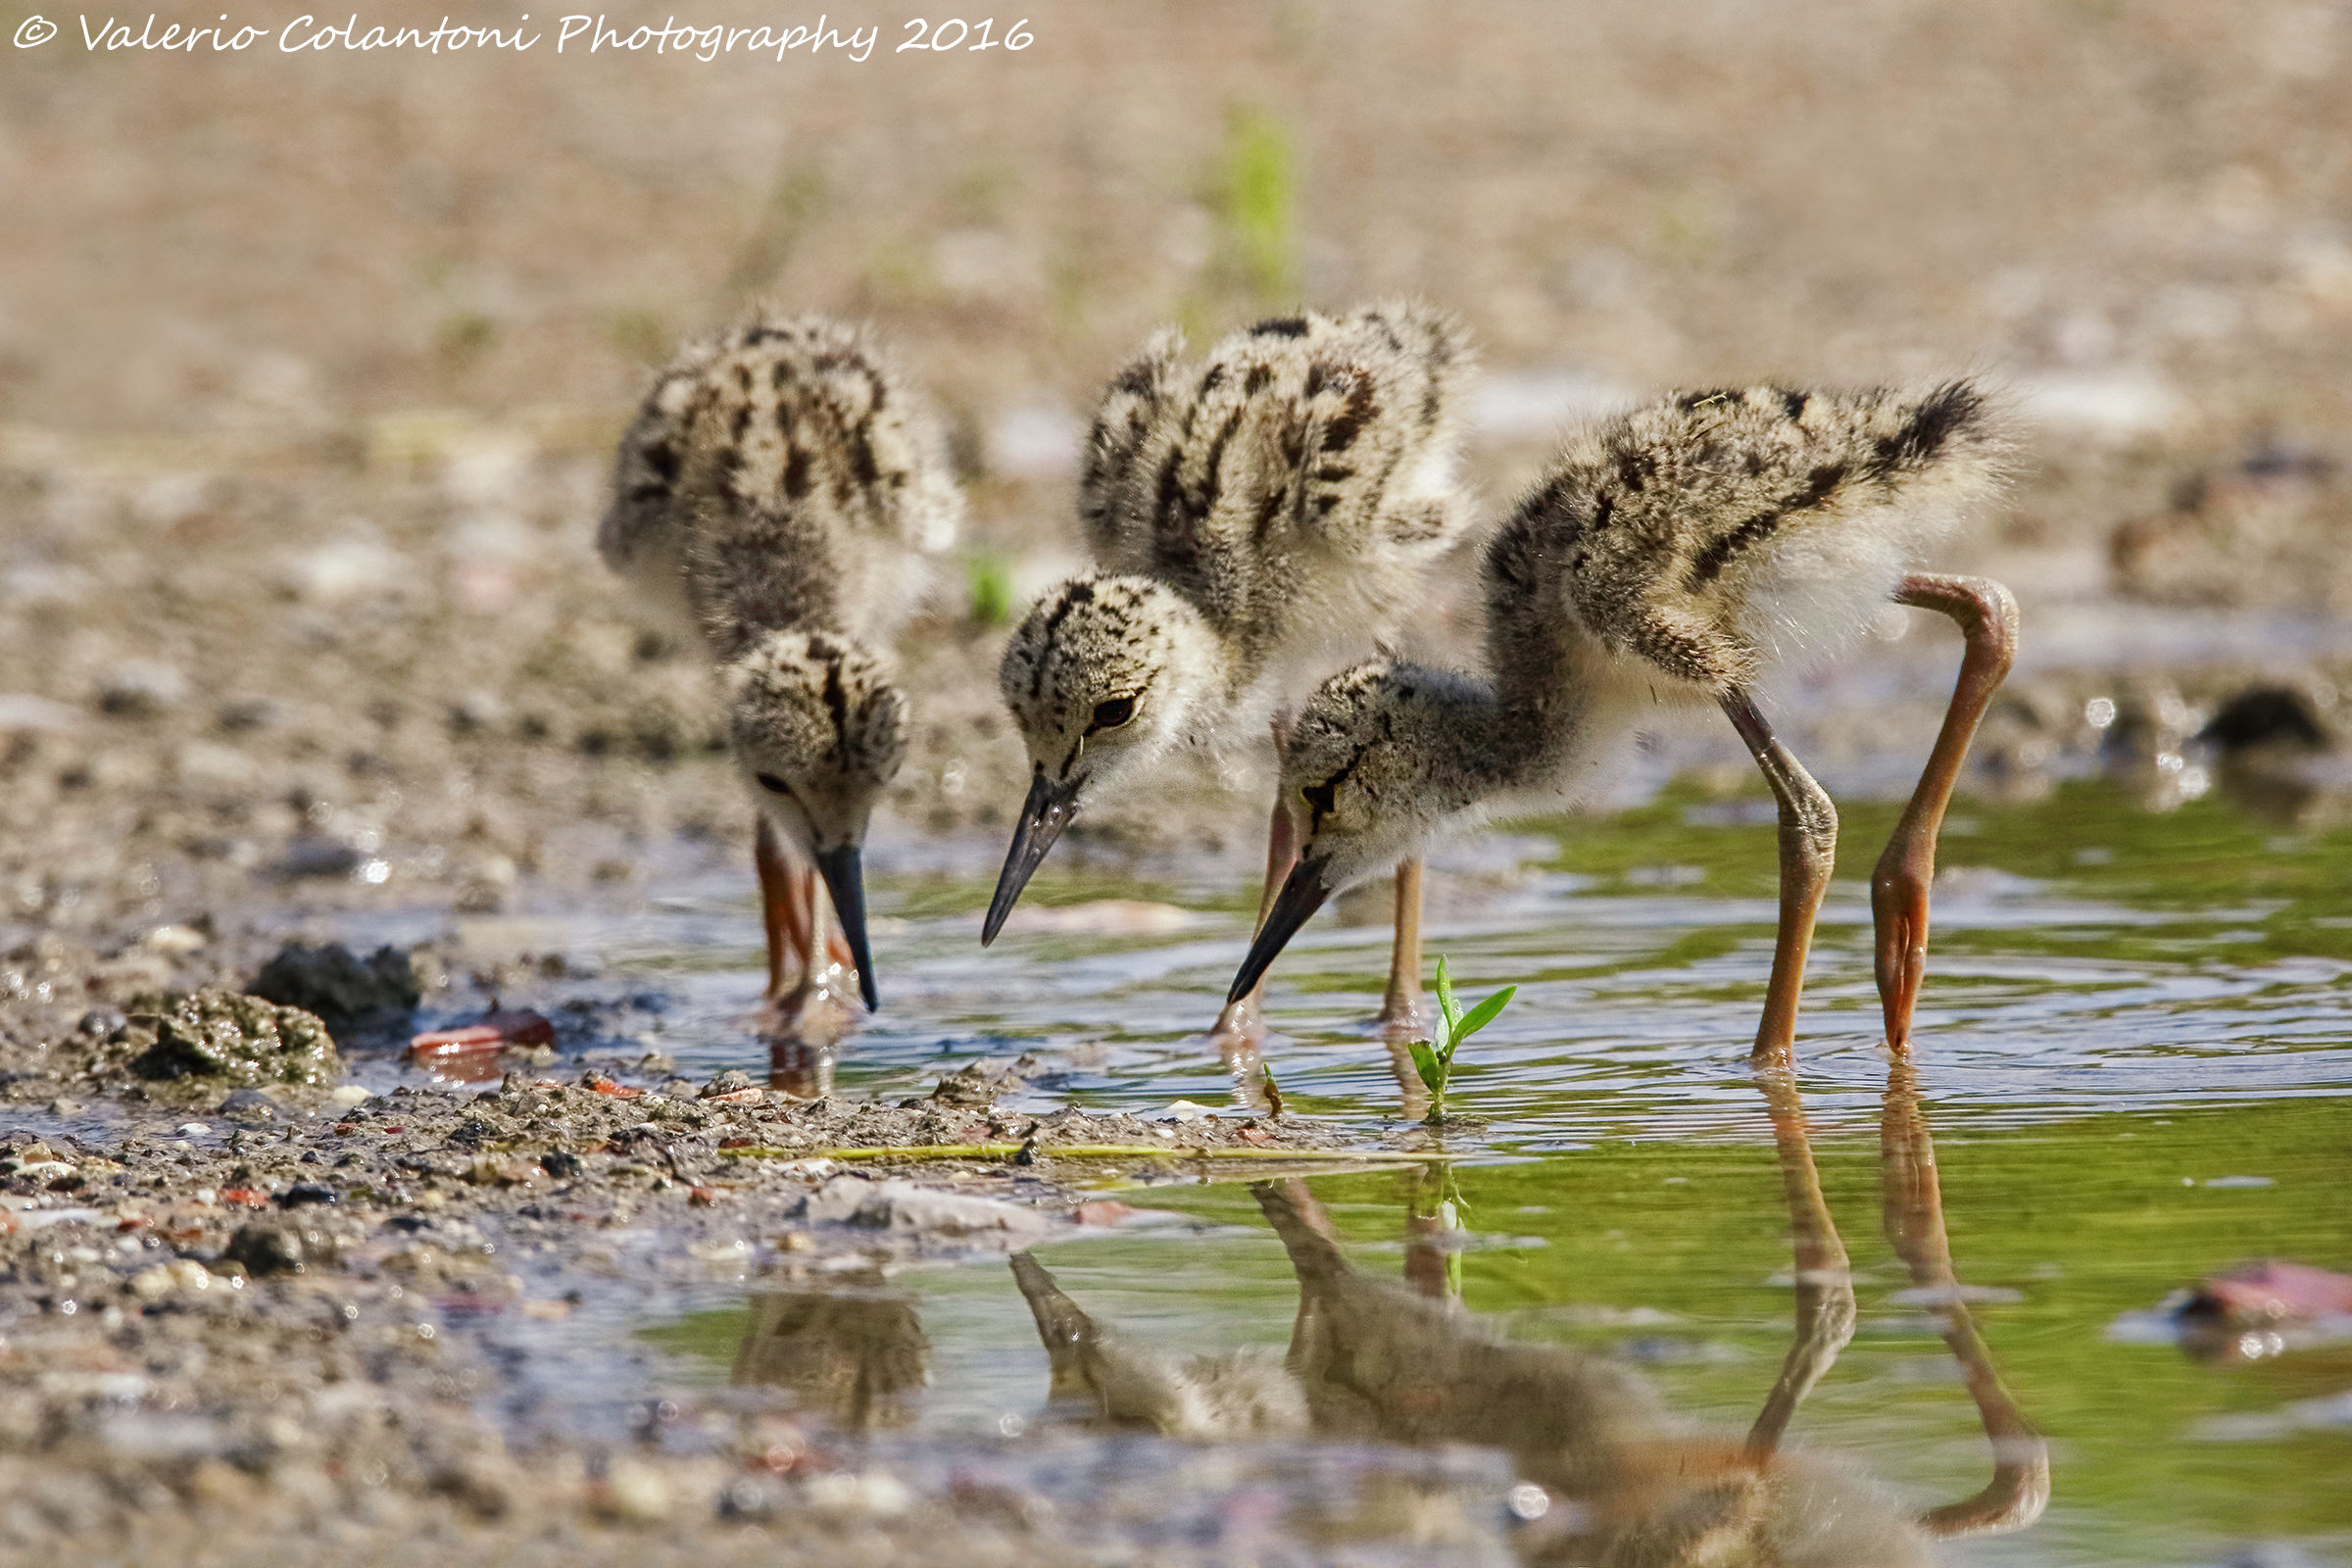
x=1408 y=1080
x=1825 y=1284
x=1914 y=1218
x=1427 y=1258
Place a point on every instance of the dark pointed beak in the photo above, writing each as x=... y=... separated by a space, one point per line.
x=1303 y=894
x=844 y=879
x=1048 y=811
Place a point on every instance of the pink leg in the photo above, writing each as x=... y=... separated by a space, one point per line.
x=1400 y=1008
x=784 y=910
x=1241 y=1026
x=809 y=977
x=1808 y=849
x=1898 y=889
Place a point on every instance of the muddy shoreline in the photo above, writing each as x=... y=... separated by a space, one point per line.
x=245 y=1326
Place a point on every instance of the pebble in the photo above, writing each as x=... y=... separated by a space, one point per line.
x=873 y=1494
x=141 y=688
x=155 y=1283
x=903 y=1206
x=175 y=941
x=248 y=1104
x=632 y=1495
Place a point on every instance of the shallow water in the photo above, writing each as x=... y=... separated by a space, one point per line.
x=2132 y=1051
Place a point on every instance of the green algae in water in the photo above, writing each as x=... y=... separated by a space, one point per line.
x=226 y=1038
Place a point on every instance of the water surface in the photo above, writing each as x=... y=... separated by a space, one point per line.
x=2132 y=1055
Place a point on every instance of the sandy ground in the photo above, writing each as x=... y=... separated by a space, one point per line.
x=310 y=369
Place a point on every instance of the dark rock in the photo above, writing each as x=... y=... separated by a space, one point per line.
x=224 y=1036
x=316 y=854
x=265 y=1248
x=2267 y=715
x=302 y=1193
x=985 y=1081
x=379 y=995
x=559 y=1164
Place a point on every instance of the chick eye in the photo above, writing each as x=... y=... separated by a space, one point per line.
x=772 y=784
x=1321 y=799
x=1112 y=714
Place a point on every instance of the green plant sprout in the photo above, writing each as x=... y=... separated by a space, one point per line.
x=990 y=578
x=1434 y=1060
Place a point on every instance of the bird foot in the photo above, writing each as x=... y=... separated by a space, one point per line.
x=817 y=1011
x=1400 y=1022
x=1239 y=1032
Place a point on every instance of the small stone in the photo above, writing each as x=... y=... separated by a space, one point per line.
x=141 y=688
x=906 y=1207
x=220 y=1034
x=249 y=1104
x=503 y=1172
x=155 y=1283
x=317 y=854
x=175 y=941
x=345 y=1096
x=873 y=1494
x=632 y=1495
x=349 y=994
x=267 y=1250
x=559 y=1164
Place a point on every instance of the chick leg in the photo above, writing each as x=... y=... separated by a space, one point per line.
x=1898 y=889
x=1400 y=1008
x=1913 y=1209
x=808 y=979
x=1241 y=1024
x=1825 y=1281
x=1808 y=849
x=784 y=910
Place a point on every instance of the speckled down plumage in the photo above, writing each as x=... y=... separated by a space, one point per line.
x=1671 y=553
x=1257 y=520
x=782 y=487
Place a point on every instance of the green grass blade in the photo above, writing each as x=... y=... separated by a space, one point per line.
x=1451 y=1008
x=1484 y=1013
x=1427 y=1064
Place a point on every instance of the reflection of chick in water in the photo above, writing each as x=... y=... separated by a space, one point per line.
x=853 y=1357
x=1372 y=1358
x=1242 y=1393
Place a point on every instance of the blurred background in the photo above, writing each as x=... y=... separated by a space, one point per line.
x=310 y=364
